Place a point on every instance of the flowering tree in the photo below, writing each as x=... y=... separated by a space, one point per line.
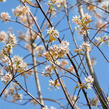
x=51 y=58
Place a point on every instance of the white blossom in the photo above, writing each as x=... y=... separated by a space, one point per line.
x=7 y=77
x=89 y=79
x=53 y=32
x=4 y=16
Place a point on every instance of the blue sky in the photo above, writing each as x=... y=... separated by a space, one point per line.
x=102 y=67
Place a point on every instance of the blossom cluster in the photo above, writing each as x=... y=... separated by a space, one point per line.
x=87 y=84
x=27 y=37
x=6 y=78
x=101 y=40
x=53 y=33
x=49 y=69
x=57 y=51
x=84 y=47
x=3 y=36
x=54 y=83
x=58 y=3
x=83 y=23
x=10 y=41
x=13 y=93
x=18 y=64
x=4 y=16
x=21 y=10
x=11 y=65
x=22 y=13
x=89 y=81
